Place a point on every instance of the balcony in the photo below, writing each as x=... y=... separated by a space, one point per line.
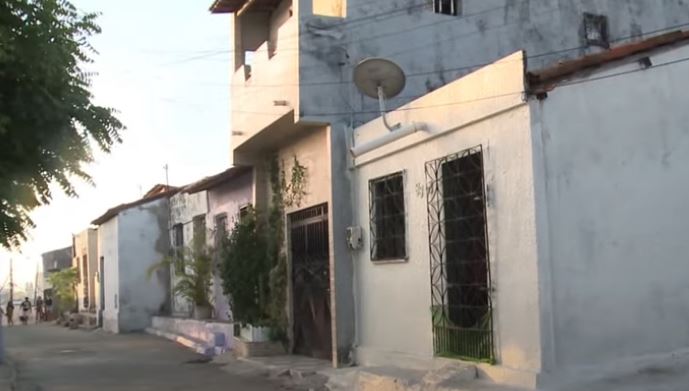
x=264 y=86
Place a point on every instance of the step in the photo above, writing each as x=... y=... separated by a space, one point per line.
x=191 y=328
x=194 y=344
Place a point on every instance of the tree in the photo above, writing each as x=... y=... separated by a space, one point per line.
x=64 y=284
x=244 y=270
x=48 y=120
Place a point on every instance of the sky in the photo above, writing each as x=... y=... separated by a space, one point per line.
x=164 y=65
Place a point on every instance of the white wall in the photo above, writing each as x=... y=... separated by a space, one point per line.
x=394 y=299
x=615 y=153
x=108 y=249
x=227 y=198
x=143 y=242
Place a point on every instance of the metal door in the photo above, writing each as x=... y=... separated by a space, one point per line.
x=309 y=251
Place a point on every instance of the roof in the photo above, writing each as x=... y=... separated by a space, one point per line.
x=227 y=6
x=156 y=192
x=546 y=79
x=212 y=181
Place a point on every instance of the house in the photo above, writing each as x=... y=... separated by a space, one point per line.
x=85 y=245
x=132 y=238
x=188 y=226
x=294 y=103
x=54 y=261
x=229 y=195
x=532 y=221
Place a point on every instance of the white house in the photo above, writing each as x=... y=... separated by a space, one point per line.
x=293 y=97
x=132 y=238
x=534 y=222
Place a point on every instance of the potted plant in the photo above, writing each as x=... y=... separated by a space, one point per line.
x=194 y=280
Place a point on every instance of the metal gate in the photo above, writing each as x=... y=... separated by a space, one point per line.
x=310 y=257
x=460 y=270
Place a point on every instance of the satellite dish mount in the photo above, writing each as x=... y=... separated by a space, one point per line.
x=380 y=79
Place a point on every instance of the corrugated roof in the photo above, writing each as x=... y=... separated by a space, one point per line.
x=544 y=80
x=156 y=192
x=216 y=180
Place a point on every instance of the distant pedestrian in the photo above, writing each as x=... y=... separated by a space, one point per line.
x=26 y=310
x=39 y=309
x=9 y=313
x=48 y=307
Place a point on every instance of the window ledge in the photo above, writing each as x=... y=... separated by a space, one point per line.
x=389 y=261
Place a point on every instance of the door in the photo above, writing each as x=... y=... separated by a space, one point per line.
x=310 y=260
x=101 y=278
x=460 y=268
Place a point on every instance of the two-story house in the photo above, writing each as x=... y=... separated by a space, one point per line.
x=292 y=97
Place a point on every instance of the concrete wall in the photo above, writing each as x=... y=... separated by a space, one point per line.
x=183 y=208
x=436 y=49
x=274 y=76
x=614 y=153
x=143 y=242
x=394 y=299
x=108 y=248
x=227 y=198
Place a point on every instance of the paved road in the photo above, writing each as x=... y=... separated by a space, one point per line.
x=51 y=358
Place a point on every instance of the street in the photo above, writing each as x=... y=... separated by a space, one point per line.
x=50 y=357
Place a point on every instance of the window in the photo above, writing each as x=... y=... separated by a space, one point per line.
x=178 y=236
x=178 y=247
x=332 y=8
x=199 y=223
x=447 y=7
x=220 y=227
x=596 y=30
x=386 y=208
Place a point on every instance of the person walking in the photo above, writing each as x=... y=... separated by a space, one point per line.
x=39 y=309
x=48 y=308
x=26 y=310
x=9 y=313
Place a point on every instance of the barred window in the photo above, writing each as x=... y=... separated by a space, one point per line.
x=387 y=213
x=447 y=7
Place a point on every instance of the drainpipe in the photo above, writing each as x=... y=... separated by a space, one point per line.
x=397 y=131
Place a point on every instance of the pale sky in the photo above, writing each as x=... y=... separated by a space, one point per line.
x=165 y=66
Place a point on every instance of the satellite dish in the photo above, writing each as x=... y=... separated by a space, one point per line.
x=375 y=75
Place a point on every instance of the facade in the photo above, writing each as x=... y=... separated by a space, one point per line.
x=132 y=238
x=54 y=261
x=229 y=194
x=188 y=224
x=292 y=97
x=85 y=260
x=502 y=231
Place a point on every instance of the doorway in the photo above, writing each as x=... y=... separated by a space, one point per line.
x=310 y=267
